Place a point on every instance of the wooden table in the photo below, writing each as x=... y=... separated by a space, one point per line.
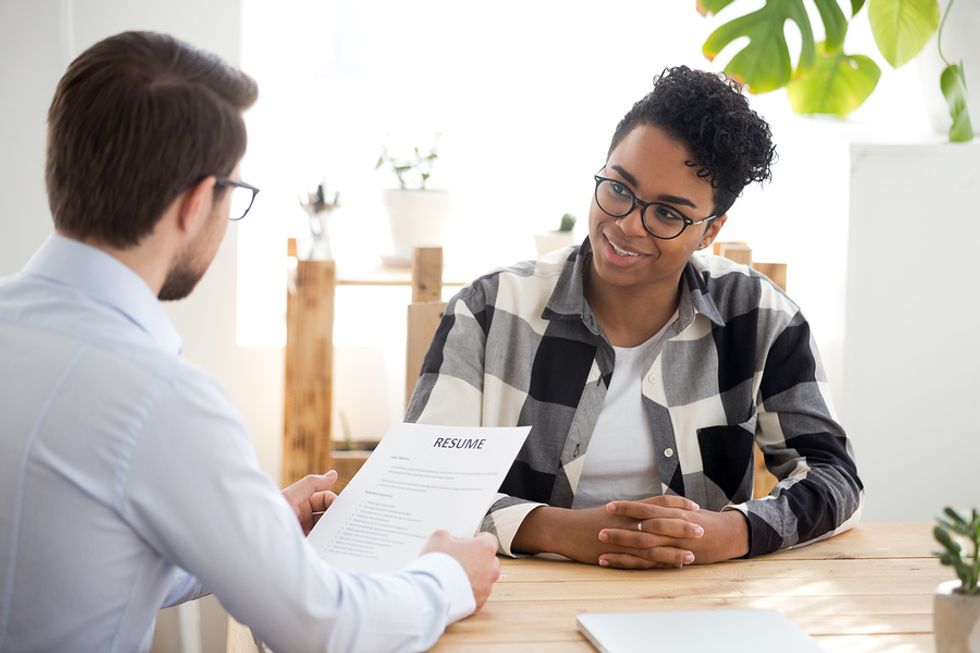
x=865 y=591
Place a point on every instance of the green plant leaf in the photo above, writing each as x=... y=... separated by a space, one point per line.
x=764 y=64
x=837 y=85
x=955 y=527
x=947 y=558
x=943 y=537
x=709 y=7
x=955 y=516
x=834 y=23
x=953 y=85
x=902 y=27
x=856 y=6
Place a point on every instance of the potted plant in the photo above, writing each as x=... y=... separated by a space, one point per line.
x=956 y=609
x=826 y=79
x=549 y=241
x=417 y=214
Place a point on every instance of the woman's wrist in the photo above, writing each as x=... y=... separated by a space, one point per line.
x=536 y=533
x=738 y=534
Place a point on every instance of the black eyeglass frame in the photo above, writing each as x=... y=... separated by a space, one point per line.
x=688 y=222
x=231 y=183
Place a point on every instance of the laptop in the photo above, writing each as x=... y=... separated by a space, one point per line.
x=694 y=631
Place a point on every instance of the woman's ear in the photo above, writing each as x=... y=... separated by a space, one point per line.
x=712 y=231
x=195 y=206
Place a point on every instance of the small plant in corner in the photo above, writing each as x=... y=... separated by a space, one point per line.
x=948 y=532
x=412 y=172
x=567 y=223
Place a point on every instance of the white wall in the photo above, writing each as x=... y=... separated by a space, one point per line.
x=911 y=347
x=28 y=32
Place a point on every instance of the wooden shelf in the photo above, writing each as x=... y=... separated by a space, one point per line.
x=308 y=443
x=361 y=273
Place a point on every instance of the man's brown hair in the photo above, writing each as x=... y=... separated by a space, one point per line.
x=136 y=120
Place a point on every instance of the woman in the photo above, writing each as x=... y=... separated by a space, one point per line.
x=645 y=370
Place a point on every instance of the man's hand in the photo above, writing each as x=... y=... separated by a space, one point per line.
x=477 y=555
x=310 y=496
x=724 y=535
x=669 y=526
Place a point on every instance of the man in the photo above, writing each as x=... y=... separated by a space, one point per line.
x=648 y=371
x=127 y=478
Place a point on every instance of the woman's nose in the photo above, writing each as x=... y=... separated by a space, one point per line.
x=632 y=224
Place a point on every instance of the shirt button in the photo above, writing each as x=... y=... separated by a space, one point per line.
x=668 y=452
x=651 y=376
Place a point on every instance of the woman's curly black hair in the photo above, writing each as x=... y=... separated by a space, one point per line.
x=732 y=144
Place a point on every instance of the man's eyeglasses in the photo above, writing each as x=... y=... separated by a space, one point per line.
x=663 y=221
x=242 y=197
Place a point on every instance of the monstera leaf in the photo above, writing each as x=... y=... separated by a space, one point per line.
x=825 y=79
x=902 y=27
x=765 y=63
x=838 y=83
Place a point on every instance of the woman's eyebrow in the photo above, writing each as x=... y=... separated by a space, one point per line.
x=672 y=199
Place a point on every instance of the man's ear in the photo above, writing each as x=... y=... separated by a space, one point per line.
x=194 y=206
x=712 y=231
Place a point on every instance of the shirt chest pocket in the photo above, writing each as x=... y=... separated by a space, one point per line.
x=727 y=462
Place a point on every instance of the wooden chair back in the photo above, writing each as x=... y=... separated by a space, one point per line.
x=424 y=312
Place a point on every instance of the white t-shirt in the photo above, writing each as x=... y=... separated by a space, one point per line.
x=621 y=462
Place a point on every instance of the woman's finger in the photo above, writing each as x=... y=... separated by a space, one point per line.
x=643 y=510
x=627 y=561
x=664 y=555
x=655 y=532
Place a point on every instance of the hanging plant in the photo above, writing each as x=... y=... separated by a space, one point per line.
x=825 y=79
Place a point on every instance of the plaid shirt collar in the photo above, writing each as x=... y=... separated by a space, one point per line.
x=568 y=302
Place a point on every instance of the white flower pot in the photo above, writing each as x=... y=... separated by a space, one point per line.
x=956 y=620
x=960 y=42
x=418 y=218
x=549 y=241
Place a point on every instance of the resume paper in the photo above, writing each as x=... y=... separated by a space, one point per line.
x=421 y=478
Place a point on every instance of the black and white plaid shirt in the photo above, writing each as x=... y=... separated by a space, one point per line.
x=521 y=346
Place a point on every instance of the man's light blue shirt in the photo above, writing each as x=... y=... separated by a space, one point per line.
x=128 y=482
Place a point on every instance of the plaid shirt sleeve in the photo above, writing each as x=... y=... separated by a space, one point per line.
x=450 y=392
x=818 y=493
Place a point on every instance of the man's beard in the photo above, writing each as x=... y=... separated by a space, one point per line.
x=182 y=278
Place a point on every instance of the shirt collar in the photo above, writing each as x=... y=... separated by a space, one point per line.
x=568 y=300
x=107 y=281
x=695 y=282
